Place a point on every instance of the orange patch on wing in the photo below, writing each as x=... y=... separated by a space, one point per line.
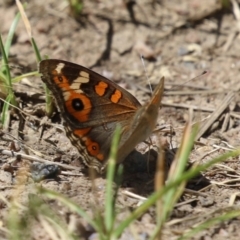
x=63 y=84
x=100 y=157
x=116 y=96
x=100 y=88
x=83 y=115
x=94 y=149
x=60 y=80
x=81 y=132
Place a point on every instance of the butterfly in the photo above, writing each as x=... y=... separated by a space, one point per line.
x=92 y=106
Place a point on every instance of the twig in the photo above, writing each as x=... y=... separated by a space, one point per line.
x=37 y=159
x=205 y=109
x=225 y=123
x=233 y=198
x=193 y=192
x=206 y=154
x=224 y=183
x=133 y=195
x=185 y=202
x=172 y=93
x=194 y=86
x=220 y=109
x=71 y=174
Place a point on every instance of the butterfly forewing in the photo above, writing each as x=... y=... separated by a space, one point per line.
x=103 y=97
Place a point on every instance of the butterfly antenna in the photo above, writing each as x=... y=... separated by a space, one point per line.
x=142 y=59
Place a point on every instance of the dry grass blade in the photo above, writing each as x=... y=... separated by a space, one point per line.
x=216 y=114
x=133 y=195
x=166 y=204
x=24 y=17
x=183 y=105
x=233 y=198
x=159 y=183
x=48 y=228
x=205 y=92
x=175 y=168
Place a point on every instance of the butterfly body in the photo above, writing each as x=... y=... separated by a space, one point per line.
x=92 y=106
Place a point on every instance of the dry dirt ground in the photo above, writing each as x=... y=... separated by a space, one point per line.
x=179 y=40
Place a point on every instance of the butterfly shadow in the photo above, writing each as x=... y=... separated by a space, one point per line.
x=140 y=169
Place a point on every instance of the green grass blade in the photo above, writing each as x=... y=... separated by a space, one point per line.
x=14 y=224
x=70 y=204
x=25 y=75
x=76 y=7
x=5 y=112
x=155 y=196
x=184 y=153
x=11 y=34
x=48 y=97
x=36 y=50
x=7 y=85
x=49 y=100
x=8 y=82
x=110 y=194
x=2 y=77
x=203 y=226
x=179 y=166
x=5 y=64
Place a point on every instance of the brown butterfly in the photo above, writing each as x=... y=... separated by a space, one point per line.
x=92 y=106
